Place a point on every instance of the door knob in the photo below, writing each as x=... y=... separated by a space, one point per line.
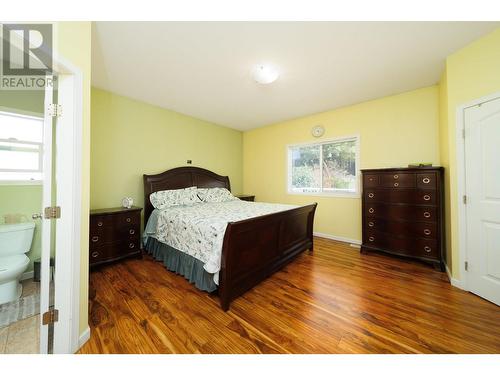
x=36 y=216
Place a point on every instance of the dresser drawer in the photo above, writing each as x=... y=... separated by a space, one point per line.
x=423 y=248
x=370 y=180
x=397 y=180
x=113 y=250
x=97 y=240
x=99 y=223
x=400 y=212
x=127 y=219
x=403 y=228
x=409 y=196
x=427 y=180
x=111 y=228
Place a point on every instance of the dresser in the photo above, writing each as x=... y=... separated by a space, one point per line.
x=114 y=234
x=402 y=213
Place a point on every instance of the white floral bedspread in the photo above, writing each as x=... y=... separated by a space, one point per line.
x=199 y=229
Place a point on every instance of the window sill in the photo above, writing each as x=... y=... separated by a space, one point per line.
x=20 y=182
x=356 y=195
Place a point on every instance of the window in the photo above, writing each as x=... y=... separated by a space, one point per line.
x=21 y=140
x=328 y=168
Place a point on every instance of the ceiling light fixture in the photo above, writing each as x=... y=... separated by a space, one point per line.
x=265 y=74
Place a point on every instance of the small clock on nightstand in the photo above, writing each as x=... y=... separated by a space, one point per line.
x=245 y=197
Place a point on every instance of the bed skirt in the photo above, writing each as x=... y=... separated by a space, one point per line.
x=182 y=264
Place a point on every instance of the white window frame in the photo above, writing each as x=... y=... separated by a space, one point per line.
x=322 y=193
x=17 y=145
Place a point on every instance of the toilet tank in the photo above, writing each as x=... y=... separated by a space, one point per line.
x=16 y=238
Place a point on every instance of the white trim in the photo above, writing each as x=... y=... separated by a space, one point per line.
x=21 y=112
x=332 y=194
x=27 y=275
x=20 y=182
x=67 y=299
x=84 y=337
x=454 y=282
x=462 y=208
x=46 y=232
x=337 y=238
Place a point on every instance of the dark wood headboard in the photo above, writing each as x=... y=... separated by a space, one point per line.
x=179 y=178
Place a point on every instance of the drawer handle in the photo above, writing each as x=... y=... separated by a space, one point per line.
x=99 y=224
x=371 y=239
x=427 y=249
x=427 y=231
x=131 y=231
x=95 y=254
x=396 y=184
x=426 y=180
x=371 y=210
x=427 y=197
x=371 y=195
x=427 y=214
x=95 y=238
x=131 y=245
x=129 y=220
x=396 y=176
x=371 y=179
x=370 y=224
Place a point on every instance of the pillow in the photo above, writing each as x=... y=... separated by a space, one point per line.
x=168 y=198
x=213 y=195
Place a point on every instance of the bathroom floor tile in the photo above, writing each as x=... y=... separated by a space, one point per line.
x=30 y=287
x=24 y=336
x=3 y=338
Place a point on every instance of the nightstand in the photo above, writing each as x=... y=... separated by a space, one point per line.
x=114 y=234
x=244 y=197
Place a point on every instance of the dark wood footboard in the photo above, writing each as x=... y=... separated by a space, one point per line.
x=256 y=248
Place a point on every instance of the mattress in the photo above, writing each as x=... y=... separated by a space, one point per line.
x=198 y=230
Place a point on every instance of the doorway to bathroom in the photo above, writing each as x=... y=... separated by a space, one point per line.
x=28 y=170
x=21 y=150
x=40 y=214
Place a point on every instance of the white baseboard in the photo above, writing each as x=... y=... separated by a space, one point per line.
x=27 y=275
x=338 y=238
x=84 y=337
x=455 y=282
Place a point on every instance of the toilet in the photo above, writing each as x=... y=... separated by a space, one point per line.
x=15 y=242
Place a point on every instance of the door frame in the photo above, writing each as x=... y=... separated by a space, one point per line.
x=461 y=184
x=69 y=163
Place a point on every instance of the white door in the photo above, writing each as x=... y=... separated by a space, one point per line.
x=482 y=163
x=46 y=300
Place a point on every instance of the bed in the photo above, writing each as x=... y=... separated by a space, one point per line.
x=251 y=249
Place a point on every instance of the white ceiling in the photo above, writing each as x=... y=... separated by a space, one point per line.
x=203 y=69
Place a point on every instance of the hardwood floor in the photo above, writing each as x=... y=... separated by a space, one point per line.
x=334 y=300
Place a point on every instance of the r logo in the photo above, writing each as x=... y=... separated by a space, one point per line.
x=27 y=49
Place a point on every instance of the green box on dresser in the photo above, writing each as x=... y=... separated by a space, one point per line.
x=114 y=234
x=403 y=213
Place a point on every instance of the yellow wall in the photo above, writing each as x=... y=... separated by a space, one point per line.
x=471 y=73
x=131 y=138
x=445 y=159
x=394 y=131
x=73 y=43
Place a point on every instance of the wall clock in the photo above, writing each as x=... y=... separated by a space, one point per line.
x=318 y=131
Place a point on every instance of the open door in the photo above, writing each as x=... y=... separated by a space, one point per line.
x=48 y=215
